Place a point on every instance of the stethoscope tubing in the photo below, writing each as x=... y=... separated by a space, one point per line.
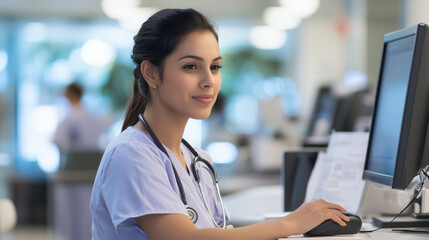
x=194 y=170
x=161 y=147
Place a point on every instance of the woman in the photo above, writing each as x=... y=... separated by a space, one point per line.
x=145 y=186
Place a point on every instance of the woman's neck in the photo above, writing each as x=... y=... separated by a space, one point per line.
x=168 y=127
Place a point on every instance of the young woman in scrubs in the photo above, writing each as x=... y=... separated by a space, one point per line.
x=136 y=194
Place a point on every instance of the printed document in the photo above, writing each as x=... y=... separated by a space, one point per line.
x=337 y=174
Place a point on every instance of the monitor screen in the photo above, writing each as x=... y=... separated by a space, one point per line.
x=399 y=121
x=323 y=114
x=391 y=104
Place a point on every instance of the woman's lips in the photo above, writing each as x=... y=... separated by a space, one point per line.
x=206 y=99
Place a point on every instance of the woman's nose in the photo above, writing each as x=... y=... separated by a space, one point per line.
x=207 y=79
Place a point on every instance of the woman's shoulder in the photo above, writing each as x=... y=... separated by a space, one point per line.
x=129 y=135
x=132 y=144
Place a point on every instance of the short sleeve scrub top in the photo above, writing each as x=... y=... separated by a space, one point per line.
x=135 y=178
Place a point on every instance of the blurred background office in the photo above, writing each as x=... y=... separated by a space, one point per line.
x=293 y=71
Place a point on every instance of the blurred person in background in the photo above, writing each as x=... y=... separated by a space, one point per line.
x=80 y=130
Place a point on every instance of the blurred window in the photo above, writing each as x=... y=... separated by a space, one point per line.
x=6 y=99
x=52 y=54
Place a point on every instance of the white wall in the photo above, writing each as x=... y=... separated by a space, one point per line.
x=415 y=11
x=326 y=53
x=321 y=55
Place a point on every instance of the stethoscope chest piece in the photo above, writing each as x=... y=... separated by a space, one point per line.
x=192 y=214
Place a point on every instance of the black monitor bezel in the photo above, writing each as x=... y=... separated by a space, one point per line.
x=411 y=121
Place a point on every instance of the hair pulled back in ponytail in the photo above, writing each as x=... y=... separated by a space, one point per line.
x=157 y=38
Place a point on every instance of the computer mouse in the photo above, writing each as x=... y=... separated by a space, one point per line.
x=329 y=227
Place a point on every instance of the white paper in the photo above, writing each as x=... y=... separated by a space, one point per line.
x=337 y=175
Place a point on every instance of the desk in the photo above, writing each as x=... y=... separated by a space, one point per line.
x=238 y=182
x=248 y=207
x=382 y=234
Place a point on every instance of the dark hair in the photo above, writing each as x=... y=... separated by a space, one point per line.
x=74 y=89
x=157 y=38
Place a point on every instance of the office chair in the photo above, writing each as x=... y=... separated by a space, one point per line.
x=295 y=173
x=75 y=160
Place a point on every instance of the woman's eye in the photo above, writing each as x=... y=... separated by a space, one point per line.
x=216 y=67
x=190 y=67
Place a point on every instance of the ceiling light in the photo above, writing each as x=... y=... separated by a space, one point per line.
x=265 y=37
x=118 y=8
x=128 y=12
x=302 y=8
x=281 y=17
x=136 y=17
x=97 y=53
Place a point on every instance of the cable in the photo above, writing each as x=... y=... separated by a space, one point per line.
x=417 y=191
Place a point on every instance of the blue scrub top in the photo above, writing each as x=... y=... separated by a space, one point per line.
x=135 y=179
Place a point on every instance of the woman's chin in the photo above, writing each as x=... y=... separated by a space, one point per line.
x=201 y=116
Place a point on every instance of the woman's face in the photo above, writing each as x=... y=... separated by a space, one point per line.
x=191 y=79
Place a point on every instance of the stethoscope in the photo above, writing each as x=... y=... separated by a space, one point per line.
x=197 y=158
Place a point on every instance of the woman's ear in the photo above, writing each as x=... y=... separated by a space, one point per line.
x=149 y=73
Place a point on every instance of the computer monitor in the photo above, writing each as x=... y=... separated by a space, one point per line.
x=336 y=112
x=325 y=108
x=400 y=117
x=350 y=109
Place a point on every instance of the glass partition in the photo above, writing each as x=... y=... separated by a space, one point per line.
x=53 y=54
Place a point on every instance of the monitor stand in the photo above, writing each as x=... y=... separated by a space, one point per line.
x=399 y=222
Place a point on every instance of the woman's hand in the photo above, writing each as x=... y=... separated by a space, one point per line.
x=311 y=214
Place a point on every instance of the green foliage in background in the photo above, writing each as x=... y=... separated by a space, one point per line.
x=245 y=66
x=119 y=85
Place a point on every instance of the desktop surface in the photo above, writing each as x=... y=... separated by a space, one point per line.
x=264 y=203
x=381 y=234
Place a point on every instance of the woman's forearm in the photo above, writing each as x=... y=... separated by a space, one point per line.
x=303 y=219
x=260 y=231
